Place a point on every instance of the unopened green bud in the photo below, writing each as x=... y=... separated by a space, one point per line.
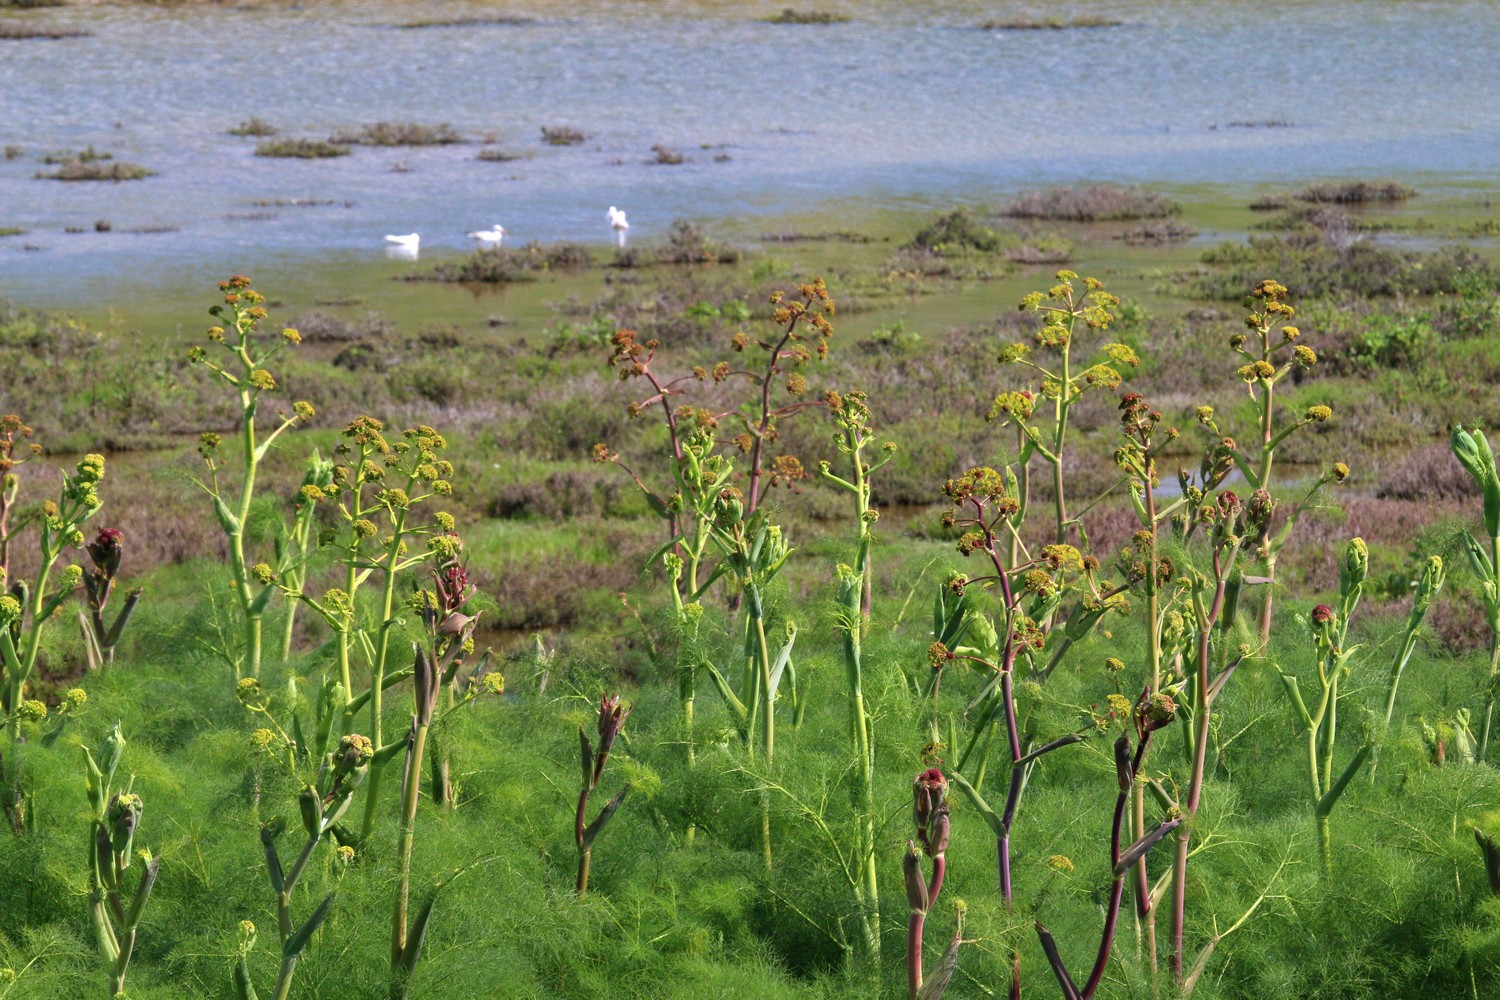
x=10 y=610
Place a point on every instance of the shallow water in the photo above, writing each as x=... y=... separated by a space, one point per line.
x=906 y=106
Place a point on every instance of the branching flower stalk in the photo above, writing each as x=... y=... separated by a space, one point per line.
x=1272 y=353
x=930 y=814
x=245 y=371
x=803 y=320
x=294 y=542
x=380 y=488
x=16 y=449
x=26 y=608
x=1215 y=601
x=1472 y=449
x=1150 y=713
x=852 y=415
x=116 y=816
x=322 y=802
x=986 y=506
x=849 y=623
x=1062 y=308
x=611 y=721
x=1335 y=658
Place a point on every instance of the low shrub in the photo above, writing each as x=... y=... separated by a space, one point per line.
x=562 y=135
x=301 y=149
x=1095 y=203
x=790 y=15
x=397 y=134
x=81 y=170
x=253 y=126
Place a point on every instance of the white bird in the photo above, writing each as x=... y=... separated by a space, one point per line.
x=409 y=242
x=495 y=236
x=617 y=223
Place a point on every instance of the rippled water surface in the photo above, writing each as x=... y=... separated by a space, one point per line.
x=907 y=104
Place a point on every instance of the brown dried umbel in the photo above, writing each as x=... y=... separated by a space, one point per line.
x=100 y=638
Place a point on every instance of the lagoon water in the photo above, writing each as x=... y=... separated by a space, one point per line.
x=906 y=105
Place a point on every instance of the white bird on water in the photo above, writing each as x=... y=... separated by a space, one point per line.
x=495 y=236
x=618 y=224
x=403 y=247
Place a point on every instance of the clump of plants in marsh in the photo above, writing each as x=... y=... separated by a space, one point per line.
x=562 y=135
x=492 y=154
x=791 y=15
x=1355 y=192
x=1050 y=23
x=501 y=20
x=1096 y=203
x=301 y=149
x=23 y=30
x=397 y=134
x=254 y=126
x=79 y=169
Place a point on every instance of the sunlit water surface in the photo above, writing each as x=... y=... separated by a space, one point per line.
x=907 y=105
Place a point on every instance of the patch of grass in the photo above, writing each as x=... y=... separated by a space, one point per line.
x=89 y=155
x=1050 y=23
x=665 y=155
x=1356 y=192
x=397 y=134
x=301 y=149
x=79 y=170
x=1158 y=234
x=1095 y=203
x=791 y=15
x=13 y=152
x=1261 y=123
x=502 y=20
x=22 y=30
x=562 y=135
x=493 y=155
x=12 y=231
x=254 y=126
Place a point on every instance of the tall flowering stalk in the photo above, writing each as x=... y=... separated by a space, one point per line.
x=245 y=371
x=380 y=490
x=611 y=721
x=1271 y=350
x=852 y=415
x=849 y=623
x=1151 y=712
x=321 y=804
x=1144 y=442
x=930 y=814
x=985 y=505
x=294 y=542
x=27 y=608
x=1214 y=601
x=16 y=449
x=1062 y=308
x=1472 y=449
x=100 y=637
x=115 y=912
x=449 y=636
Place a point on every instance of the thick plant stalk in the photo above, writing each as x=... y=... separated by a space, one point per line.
x=867 y=891
x=611 y=721
x=1231 y=523
x=1472 y=449
x=1151 y=713
x=116 y=818
x=930 y=814
x=321 y=804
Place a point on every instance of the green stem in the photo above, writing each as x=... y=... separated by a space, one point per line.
x=406 y=839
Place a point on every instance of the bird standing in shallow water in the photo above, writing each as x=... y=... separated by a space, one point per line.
x=495 y=236
x=403 y=247
x=618 y=224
